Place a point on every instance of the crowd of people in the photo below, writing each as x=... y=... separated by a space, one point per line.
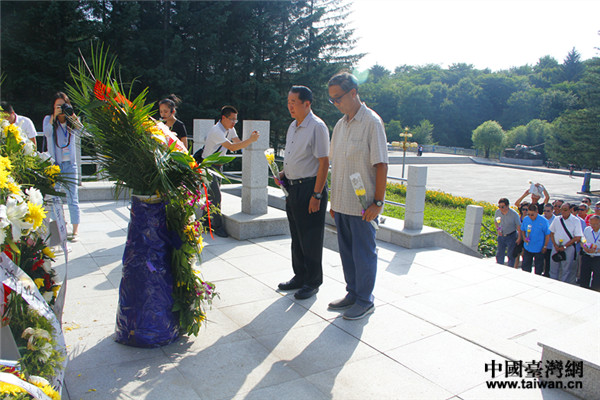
x=560 y=240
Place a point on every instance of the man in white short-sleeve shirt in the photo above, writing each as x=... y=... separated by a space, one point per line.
x=305 y=169
x=221 y=138
x=562 y=265
x=26 y=125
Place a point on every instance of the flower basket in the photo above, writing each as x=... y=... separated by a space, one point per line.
x=144 y=314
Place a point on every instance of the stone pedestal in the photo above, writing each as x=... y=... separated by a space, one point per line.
x=255 y=169
x=201 y=128
x=472 y=232
x=415 y=198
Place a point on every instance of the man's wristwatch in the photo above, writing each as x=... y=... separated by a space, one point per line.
x=378 y=203
x=317 y=195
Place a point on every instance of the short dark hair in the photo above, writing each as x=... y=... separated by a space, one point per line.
x=304 y=93
x=345 y=80
x=505 y=201
x=7 y=107
x=533 y=207
x=573 y=207
x=548 y=205
x=558 y=201
x=226 y=111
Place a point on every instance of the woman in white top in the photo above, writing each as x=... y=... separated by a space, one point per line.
x=60 y=135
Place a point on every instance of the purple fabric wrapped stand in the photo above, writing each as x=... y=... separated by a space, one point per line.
x=144 y=316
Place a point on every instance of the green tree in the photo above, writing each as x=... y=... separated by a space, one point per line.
x=423 y=133
x=572 y=67
x=393 y=129
x=378 y=72
x=210 y=53
x=576 y=139
x=488 y=137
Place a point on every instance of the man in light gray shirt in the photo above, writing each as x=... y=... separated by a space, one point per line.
x=508 y=226
x=305 y=169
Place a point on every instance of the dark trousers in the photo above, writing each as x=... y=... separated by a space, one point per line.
x=547 y=255
x=214 y=196
x=307 y=232
x=506 y=244
x=589 y=266
x=533 y=258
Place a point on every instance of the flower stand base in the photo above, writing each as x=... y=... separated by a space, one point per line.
x=144 y=316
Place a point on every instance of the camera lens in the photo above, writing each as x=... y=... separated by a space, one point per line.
x=67 y=109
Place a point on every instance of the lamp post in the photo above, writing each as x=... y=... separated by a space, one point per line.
x=405 y=135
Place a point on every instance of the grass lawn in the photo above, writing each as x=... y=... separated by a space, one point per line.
x=446 y=212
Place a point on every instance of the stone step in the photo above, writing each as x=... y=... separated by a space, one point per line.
x=580 y=345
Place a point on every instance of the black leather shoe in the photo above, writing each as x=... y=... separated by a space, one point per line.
x=306 y=292
x=289 y=285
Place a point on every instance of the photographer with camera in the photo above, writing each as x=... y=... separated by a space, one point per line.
x=60 y=129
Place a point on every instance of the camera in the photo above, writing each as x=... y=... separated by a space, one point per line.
x=67 y=109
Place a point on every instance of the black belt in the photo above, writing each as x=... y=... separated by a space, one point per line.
x=293 y=182
x=508 y=234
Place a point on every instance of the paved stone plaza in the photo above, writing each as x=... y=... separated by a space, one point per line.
x=489 y=183
x=440 y=318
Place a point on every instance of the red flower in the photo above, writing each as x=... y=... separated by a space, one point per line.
x=37 y=265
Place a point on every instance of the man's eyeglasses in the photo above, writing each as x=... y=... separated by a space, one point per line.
x=500 y=206
x=338 y=100
x=233 y=120
x=582 y=209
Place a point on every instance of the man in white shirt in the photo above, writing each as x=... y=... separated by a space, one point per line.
x=305 y=169
x=22 y=122
x=358 y=145
x=590 y=260
x=221 y=138
x=565 y=233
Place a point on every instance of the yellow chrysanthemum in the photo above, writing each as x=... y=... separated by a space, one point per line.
x=200 y=242
x=7 y=388
x=5 y=163
x=48 y=252
x=52 y=170
x=39 y=282
x=36 y=214
x=270 y=157
x=360 y=192
x=14 y=188
x=14 y=130
x=4 y=175
x=48 y=390
x=55 y=290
